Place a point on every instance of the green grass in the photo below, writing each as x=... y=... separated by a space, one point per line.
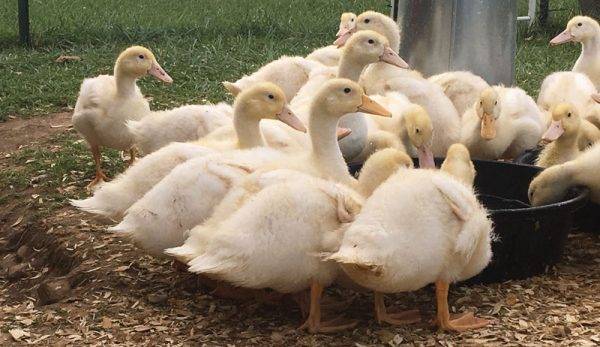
x=60 y=169
x=199 y=43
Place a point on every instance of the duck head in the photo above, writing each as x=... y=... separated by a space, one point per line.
x=458 y=163
x=340 y=96
x=420 y=133
x=138 y=61
x=488 y=110
x=565 y=121
x=347 y=24
x=579 y=29
x=551 y=185
x=367 y=47
x=378 y=22
x=265 y=100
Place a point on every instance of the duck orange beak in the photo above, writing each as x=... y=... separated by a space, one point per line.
x=554 y=131
x=343 y=132
x=391 y=57
x=563 y=37
x=288 y=117
x=341 y=40
x=345 y=29
x=372 y=107
x=158 y=72
x=488 y=128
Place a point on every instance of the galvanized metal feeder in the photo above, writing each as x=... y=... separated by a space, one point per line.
x=474 y=35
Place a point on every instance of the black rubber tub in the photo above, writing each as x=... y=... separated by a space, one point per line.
x=529 y=239
x=586 y=219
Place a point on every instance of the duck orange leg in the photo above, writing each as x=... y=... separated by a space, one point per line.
x=313 y=323
x=463 y=322
x=100 y=176
x=132 y=155
x=396 y=318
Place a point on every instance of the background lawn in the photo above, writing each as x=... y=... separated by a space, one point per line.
x=199 y=43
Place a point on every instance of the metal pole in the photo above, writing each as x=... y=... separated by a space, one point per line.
x=544 y=9
x=24 y=22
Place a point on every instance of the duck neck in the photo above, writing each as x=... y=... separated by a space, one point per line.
x=590 y=47
x=325 y=151
x=247 y=130
x=567 y=141
x=125 y=82
x=349 y=68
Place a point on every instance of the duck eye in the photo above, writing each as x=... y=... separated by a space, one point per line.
x=481 y=103
x=579 y=24
x=496 y=102
x=569 y=114
x=347 y=90
x=417 y=130
x=352 y=20
x=271 y=96
x=141 y=56
x=371 y=41
x=367 y=20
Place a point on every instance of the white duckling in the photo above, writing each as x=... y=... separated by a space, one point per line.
x=563 y=135
x=552 y=184
x=503 y=123
x=463 y=88
x=306 y=216
x=105 y=103
x=330 y=55
x=565 y=86
x=181 y=124
x=419 y=227
x=288 y=73
x=362 y=49
x=586 y=31
x=114 y=198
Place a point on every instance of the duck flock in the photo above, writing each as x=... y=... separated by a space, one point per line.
x=257 y=195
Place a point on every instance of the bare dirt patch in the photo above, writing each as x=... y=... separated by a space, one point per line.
x=20 y=132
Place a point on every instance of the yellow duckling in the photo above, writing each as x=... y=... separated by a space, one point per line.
x=564 y=133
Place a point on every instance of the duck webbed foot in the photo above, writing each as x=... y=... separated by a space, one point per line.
x=99 y=178
x=393 y=317
x=459 y=323
x=314 y=323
